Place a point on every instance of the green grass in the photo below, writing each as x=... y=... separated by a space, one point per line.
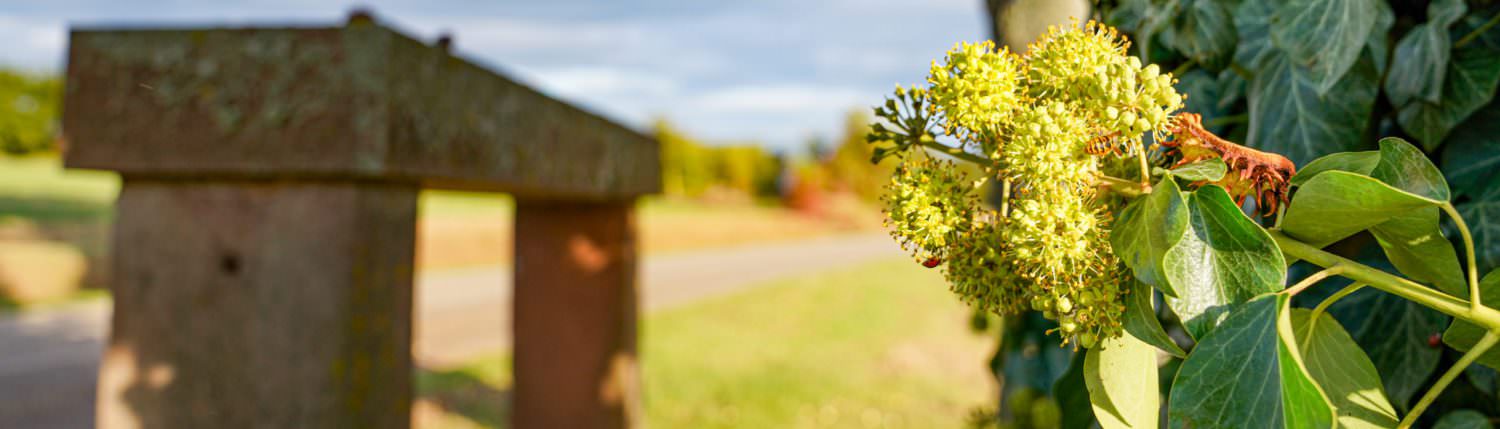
x=39 y=188
x=879 y=345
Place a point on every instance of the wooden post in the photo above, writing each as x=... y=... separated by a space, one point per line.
x=575 y=315
x=260 y=304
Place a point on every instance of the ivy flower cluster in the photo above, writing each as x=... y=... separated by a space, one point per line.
x=1040 y=125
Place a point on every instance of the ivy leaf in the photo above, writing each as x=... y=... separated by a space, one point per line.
x=1470 y=160
x=1336 y=204
x=1462 y=335
x=1209 y=170
x=1212 y=96
x=1482 y=214
x=1394 y=333
x=1421 y=57
x=1204 y=32
x=1468 y=85
x=1287 y=115
x=1121 y=377
x=1147 y=228
x=1325 y=36
x=1248 y=373
x=1463 y=419
x=1355 y=162
x=1347 y=376
x=1072 y=395
x=1378 y=43
x=1407 y=168
x=1252 y=20
x=1222 y=260
x=1140 y=319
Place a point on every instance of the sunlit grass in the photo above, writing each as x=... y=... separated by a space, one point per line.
x=878 y=345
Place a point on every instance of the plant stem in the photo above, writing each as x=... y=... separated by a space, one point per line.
x=1463 y=230
x=1482 y=346
x=1184 y=67
x=1477 y=31
x=1005 y=198
x=1485 y=317
x=956 y=152
x=1312 y=321
x=1331 y=271
x=1140 y=153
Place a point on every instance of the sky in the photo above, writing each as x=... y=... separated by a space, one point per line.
x=777 y=72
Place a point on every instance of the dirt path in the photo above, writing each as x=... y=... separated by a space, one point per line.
x=49 y=358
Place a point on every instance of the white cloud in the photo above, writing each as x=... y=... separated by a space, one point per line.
x=32 y=44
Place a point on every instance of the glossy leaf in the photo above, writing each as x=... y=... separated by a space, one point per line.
x=1252 y=21
x=1463 y=335
x=1209 y=170
x=1468 y=85
x=1336 y=204
x=1482 y=214
x=1222 y=260
x=1147 y=228
x=1463 y=419
x=1204 y=31
x=1326 y=37
x=1121 y=376
x=1393 y=333
x=1072 y=395
x=1140 y=319
x=1287 y=116
x=1470 y=159
x=1248 y=374
x=1355 y=162
x=1336 y=363
x=1421 y=57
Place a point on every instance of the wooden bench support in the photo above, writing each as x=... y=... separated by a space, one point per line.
x=575 y=315
x=260 y=304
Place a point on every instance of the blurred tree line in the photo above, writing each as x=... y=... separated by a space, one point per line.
x=691 y=168
x=29 y=112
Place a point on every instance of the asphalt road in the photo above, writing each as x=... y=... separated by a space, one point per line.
x=49 y=358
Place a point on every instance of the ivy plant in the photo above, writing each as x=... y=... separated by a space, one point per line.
x=1152 y=270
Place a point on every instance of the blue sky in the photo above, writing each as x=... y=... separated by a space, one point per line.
x=776 y=71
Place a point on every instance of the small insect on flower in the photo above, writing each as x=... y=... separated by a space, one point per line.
x=1435 y=340
x=932 y=262
x=1263 y=175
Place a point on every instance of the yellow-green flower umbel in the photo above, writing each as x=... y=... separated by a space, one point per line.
x=1038 y=122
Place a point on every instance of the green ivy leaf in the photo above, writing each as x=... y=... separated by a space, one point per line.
x=1121 y=377
x=1210 y=170
x=1482 y=214
x=1072 y=395
x=1252 y=20
x=1468 y=85
x=1287 y=115
x=1415 y=244
x=1394 y=333
x=1463 y=419
x=1212 y=96
x=1407 y=168
x=1470 y=160
x=1222 y=260
x=1421 y=58
x=1140 y=319
x=1379 y=43
x=1204 y=31
x=1147 y=228
x=1463 y=335
x=1336 y=204
x=1336 y=363
x=1355 y=162
x=1325 y=36
x=1247 y=373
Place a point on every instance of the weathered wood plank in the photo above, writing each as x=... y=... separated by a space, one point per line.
x=575 y=316
x=260 y=304
x=360 y=101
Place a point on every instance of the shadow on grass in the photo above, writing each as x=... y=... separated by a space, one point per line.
x=463 y=392
x=43 y=210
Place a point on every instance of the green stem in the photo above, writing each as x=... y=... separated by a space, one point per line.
x=1334 y=270
x=1145 y=168
x=956 y=152
x=1477 y=31
x=1312 y=322
x=1485 y=317
x=1463 y=230
x=1184 y=67
x=1005 y=198
x=1482 y=346
x=1123 y=187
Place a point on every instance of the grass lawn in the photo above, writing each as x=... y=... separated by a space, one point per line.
x=877 y=345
